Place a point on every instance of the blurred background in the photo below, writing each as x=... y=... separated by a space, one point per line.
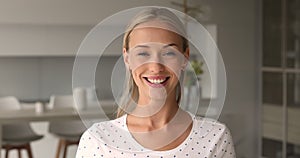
x=259 y=41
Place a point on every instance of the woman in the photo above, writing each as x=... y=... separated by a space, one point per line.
x=150 y=122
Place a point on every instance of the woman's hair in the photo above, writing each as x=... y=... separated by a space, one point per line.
x=130 y=93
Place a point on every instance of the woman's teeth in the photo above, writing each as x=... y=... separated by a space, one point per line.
x=156 y=81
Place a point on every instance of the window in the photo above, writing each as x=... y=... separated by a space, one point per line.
x=281 y=79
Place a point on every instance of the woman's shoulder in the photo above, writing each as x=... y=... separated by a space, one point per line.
x=108 y=127
x=208 y=121
x=107 y=131
x=209 y=126
x=100 y=136
x=215 y=135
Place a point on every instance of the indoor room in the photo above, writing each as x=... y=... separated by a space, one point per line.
x=62 y=70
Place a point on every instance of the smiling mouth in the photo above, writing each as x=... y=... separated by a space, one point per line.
x=157 y=81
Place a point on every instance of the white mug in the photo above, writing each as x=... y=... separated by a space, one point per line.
x=39 y=107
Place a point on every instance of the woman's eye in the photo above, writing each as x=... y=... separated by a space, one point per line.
x=169 y=54
x=143 y=54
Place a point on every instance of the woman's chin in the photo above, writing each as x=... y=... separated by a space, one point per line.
x=158 y=94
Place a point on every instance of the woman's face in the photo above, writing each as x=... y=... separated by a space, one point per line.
x=155 y=58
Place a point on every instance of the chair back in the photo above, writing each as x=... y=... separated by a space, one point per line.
x=68 y=127
x=9 y=103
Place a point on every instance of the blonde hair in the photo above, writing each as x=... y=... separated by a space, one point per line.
x=149 y=14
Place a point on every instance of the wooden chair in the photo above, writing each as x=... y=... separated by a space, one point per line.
x=68 y=132
x=16 y=136
x=26 y=146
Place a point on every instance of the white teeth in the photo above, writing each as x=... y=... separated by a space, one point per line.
x=156 y=81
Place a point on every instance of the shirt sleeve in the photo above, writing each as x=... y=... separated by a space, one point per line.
x=226 y=145
x=88 y=146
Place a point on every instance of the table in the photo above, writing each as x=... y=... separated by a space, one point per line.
x=29 y=115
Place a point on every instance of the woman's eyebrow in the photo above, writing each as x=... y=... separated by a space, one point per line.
x=170 y=45
x=165 y=46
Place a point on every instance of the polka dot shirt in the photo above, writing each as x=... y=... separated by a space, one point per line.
x=112 y=139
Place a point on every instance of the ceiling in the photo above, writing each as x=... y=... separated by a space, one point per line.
x=67 y=12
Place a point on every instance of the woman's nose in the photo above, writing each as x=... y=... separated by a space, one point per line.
x=156 y=67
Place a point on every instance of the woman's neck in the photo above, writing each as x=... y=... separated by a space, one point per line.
x=156 y=114
x=164 y=130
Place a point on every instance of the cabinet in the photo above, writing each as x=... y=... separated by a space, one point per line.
x=281 y=79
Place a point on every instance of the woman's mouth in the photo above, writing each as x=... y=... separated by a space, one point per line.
x=156 y=80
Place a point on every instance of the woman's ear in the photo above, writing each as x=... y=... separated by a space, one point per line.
x=125 y=57
x=186 y=57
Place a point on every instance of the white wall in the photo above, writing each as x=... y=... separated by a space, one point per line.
x=40 y=40
x=27 y=40
x=67 y=12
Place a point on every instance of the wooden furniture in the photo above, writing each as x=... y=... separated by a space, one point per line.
x=68 y=132
x=26 y=146
x=29 y=115
x=19 y=135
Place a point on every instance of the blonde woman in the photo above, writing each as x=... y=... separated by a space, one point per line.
x=150 y=122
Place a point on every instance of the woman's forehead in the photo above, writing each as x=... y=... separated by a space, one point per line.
x=152 y=35
x=158 y=24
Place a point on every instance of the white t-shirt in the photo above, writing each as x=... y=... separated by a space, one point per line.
x=112 y=139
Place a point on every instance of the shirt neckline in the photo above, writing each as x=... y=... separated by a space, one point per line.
x=180 y=146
